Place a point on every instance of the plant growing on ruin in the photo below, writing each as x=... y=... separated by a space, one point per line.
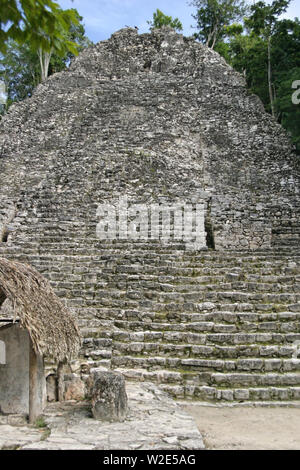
x=160 y=19
x=40 y=422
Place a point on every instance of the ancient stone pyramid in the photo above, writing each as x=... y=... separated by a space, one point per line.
x=160 y=119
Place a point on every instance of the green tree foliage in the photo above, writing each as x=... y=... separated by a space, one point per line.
x=20 y=67
x=289 y=112
x=20 y=71
x=247 y=53
x=73 y=35
x=214 y=16
x=262 y=22
x=160 y=19
x=266 y=50
x=42 y=23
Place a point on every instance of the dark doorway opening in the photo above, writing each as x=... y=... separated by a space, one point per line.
x=4 y=235
x=210 y=240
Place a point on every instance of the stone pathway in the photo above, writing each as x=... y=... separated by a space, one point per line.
x=154 y=422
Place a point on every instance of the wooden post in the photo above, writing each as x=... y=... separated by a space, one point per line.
x=60 y=381
x=2 y=297
x=34 y=402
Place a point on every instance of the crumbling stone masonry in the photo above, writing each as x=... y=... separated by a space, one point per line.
x=159 y=118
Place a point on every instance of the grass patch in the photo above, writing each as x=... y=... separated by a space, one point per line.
x=40 y=423
x=46 y=434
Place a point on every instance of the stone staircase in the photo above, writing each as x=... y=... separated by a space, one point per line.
x=204 y=325
x=141 y=116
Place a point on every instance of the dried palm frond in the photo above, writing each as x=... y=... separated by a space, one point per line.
x=52 y=328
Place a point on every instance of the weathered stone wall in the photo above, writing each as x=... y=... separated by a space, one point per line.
x=157 y=117
x=160 y=118
x=204 y=325
x=14 y=374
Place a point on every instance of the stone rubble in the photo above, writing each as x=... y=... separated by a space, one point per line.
x=154 y=422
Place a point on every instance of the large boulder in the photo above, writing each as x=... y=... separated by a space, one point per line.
x=109 y=398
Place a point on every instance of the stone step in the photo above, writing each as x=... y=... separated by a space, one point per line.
x=208 y=313
x=225 y=321
x=267 y=395
x=255 y=379
x=193 y=355
x=137 y=261
x=150 y=286
x=51 y=226
x=153 y=298
x=167 y=283
x=155 y=255
x=111 y=267
x=206 y=325
x=204 y=333
x=262 y=344
x=150 y=250
x=154 y=310
x=189 y=303
x=188 y=389
x=217 y=371
x=172 y=354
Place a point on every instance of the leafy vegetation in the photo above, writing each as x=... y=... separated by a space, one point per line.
x=160 y=19
x=213 y=16
x=40 y=422
x=42 y=23
x=23 y=67
x=264 y=47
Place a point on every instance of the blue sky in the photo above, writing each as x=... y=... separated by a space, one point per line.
x=104 y=17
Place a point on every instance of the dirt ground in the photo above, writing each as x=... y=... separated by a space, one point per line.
x=252 y=428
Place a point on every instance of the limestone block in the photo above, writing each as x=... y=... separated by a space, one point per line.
x=109 y=398
x=74 y=388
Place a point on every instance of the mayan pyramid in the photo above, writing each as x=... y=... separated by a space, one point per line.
x=159 y=119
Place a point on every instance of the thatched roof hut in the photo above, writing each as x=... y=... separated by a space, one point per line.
x=50 y=325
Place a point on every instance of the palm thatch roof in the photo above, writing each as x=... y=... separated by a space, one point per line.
x=50 y=325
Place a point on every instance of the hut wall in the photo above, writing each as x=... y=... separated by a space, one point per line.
x=14 y=375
